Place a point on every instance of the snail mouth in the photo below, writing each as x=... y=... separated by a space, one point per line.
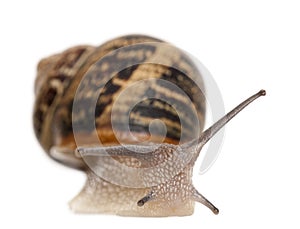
x=101 y=197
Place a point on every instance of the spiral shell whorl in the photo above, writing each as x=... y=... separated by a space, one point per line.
x=61 y=76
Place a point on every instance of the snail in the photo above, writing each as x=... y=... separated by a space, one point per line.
x=129 y=113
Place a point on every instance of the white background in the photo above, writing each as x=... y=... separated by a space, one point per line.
x=246 y=45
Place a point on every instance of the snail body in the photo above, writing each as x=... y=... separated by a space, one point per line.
x=93 y=111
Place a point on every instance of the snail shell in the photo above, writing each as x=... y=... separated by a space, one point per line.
x=59 y=77
x=94 y=99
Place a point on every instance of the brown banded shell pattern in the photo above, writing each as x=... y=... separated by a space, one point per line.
x=92 y=74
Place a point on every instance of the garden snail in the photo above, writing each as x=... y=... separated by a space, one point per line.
x=96 y=110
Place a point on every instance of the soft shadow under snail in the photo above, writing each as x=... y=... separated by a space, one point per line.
x=74 y=112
